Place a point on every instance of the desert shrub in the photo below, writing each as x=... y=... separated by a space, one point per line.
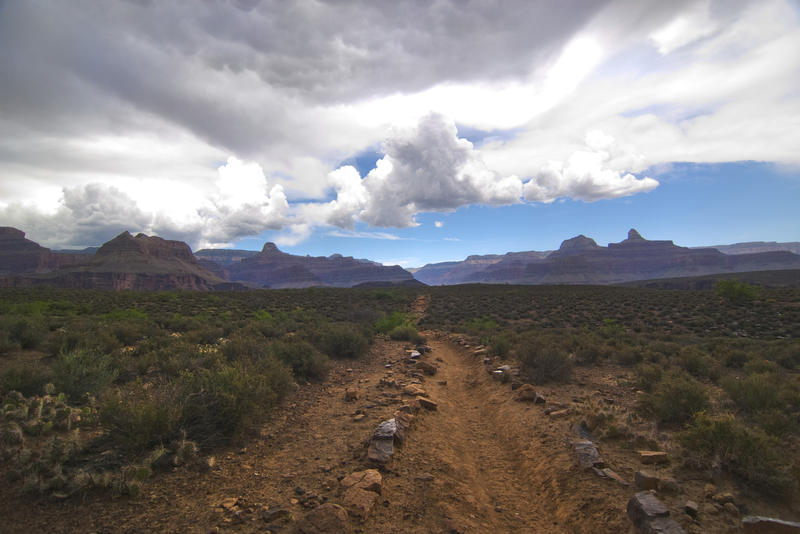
x=697 y=362
x=342 y=340
x=480 y=325
x=735 y=359
x=387 y=323
x=27 y=333
x=647 y=376
x=140 y=416
x=761 y=365
x=82 y=371
x=545 y=362
x=223 y=402
x=629 y=356
x=736 y=292
x=674 y=400
x=748 y=453
x=406 y=333
x=27 y=379
x=787 y=356
x=500 y=345
x=306 y=362
x=753 y=393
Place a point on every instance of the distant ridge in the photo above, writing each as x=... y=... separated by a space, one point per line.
x=580 y=260
x=276 y=269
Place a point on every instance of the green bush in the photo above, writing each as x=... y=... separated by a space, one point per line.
x=27 y=333
x=736 y=292
x=406 y=333
x=648 y=375
x=223 y=402
x=500 y=345
x=753 y=393
x=306 y=362
x=387 y=323
x=747 y=453
x=674 y=400
x=81 y=371
x=341 y=340
x=140 y=416
x=27 y=379
x=697 y=362
x=545 y=362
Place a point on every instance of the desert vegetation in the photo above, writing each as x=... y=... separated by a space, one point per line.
x=100 y=389
x=713 y=373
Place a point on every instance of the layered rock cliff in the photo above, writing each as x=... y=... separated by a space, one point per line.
x=275 y=269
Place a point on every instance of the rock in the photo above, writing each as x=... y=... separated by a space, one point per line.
x=769 y=525
x=587 y=455
x=230 y=503
x=650 y=515
x=691 y=509
x=424 y=477
x=723 y=498
x=368 y=480
x=653 y=457
x=359 y=502
x=559 y=413
x=709 y=490
x=644 y=507
x=274 y=514
x=381 y=445
x=526 y=393
x=428 y=404
x=403 y=421
x=350 y=395
x=664 y=525
x=645 y=480
x=380 y=451
x=427 y=368
x=414 y=391
x=413 y=354
x=423 y=348
x=358 y=417
x=326 y=518
x=731 y=509
x=610 y=474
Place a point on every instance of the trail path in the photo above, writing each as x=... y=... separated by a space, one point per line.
x=481 y=463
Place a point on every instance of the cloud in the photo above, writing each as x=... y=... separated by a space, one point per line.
x=438 y=224
x=588 y=174
x=135 y=107
x=241 y=204
x=429 y=168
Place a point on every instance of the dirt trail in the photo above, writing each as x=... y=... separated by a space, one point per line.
x=481 y=463
x=484 y=462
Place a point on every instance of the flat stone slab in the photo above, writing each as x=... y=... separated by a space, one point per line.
x=653 y=457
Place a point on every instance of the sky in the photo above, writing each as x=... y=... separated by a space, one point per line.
x=407 y=132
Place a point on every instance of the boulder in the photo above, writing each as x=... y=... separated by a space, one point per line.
x=327 y=518
x=691 y=509
x=587 y=455
x=644 y=507
x=427 y=368
x=428 y=404
x=650 y=516
x=368 y=480
x=359 y=502
x=527 y=393
x=769 y=525
x=610 y=474
x=350 y=395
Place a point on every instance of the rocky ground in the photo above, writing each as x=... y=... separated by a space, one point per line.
x=478 y=456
